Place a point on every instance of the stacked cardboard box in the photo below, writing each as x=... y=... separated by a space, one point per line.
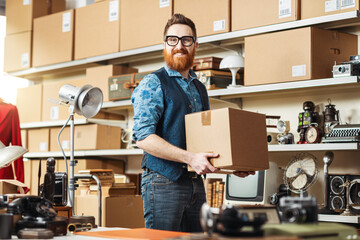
x=53 y=38
x=135 y=15
x=311 y=9
x=19 y=29
x=267 y=12
x=297 y=54
x=215 y=17
x=29 y=103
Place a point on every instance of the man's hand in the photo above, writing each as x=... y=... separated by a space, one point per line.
x=243 y=174
x=200 y=163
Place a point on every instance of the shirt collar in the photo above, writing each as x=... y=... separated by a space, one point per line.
x=173 y=73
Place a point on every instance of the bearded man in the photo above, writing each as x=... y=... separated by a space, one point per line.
x=172 y=196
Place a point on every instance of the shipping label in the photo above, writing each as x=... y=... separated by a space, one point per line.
x=113 y=10
x=219 y=25
x=43 y=146
x=347 y=4
x=66 y=22
x=299 y=70
x=26 y=2
x=164 y=3
x=54 y=113
x=25 y=60
x=65 y=144
x=284 y=8
x=331 y=5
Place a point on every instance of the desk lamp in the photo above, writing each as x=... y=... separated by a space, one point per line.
x=234 y=63
x=86 y=101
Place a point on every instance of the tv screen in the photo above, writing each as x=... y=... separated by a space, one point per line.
x=250 y=188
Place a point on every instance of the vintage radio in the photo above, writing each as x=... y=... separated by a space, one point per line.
x=207 y=63
x=214 y=79
x=345 y=69
x=337 y=199
x=122 y=86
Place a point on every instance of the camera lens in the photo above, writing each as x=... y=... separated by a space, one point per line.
x=295 y=215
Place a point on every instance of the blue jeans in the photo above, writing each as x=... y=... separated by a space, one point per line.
x=173 y=206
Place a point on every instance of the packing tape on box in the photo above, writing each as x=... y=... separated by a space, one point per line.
x=206 y=118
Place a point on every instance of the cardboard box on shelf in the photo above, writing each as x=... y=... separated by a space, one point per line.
x=267 y=13
x=136 y=15
x=216 y=17
x=311 y=9
x=97 y=29
x=17 y=52
x=64 y=139
x=27 y=172
x=57 y=6
x=53 y=38
x=121 y=211
x=54 y=112
x=95 y=136
x=297 y=54
x=20 y=14
x=29 y=103
x=117 y=166
x=228 y=132
x=38 y=140
x=98 y=76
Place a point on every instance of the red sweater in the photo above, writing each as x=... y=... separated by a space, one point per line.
x=10 y=133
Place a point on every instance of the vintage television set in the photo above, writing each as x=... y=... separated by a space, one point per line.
x=254 y=189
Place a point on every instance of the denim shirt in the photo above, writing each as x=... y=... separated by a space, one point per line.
x=148 y=101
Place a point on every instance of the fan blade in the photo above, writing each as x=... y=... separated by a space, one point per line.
x=300 y=181
x=308 y=166
x=293 y=169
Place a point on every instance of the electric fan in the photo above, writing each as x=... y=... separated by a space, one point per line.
x=301 y=173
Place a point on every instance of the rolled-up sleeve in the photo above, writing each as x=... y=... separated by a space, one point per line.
x=148 y=104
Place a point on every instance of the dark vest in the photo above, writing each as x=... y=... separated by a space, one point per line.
x=171 y=125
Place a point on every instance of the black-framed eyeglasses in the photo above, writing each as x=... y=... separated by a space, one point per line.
x=186 y=41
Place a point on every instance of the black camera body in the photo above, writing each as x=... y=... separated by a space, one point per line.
x=299 y=209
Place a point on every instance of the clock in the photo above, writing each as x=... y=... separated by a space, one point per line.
x=313 y=134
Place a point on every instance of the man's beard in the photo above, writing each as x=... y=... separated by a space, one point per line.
x=179 y=63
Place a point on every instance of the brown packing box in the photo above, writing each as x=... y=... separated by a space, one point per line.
x=38 y=140
x=97 y=29
x=52 y=111
x=117 y=166
x=11 y=186
x=238 y=136
x=29 y=103
x=64 y=139
x=121 y=211
x=17 y=52
x=311 y=9
x=98 y=76
x=53 y=38
x=20 y=14
x=215 y=17
x=298 y=54
x=136 y=15
x=95 y=136
x=249 y=14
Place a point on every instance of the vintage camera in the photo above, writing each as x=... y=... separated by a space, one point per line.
x=345 y=69
x=286 y=138
x=298 y=209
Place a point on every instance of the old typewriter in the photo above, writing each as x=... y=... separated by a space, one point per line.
x=343 y=133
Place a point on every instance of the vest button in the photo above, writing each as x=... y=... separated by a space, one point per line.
x=190 y=106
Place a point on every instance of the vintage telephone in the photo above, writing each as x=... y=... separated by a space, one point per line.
x=36 y=212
